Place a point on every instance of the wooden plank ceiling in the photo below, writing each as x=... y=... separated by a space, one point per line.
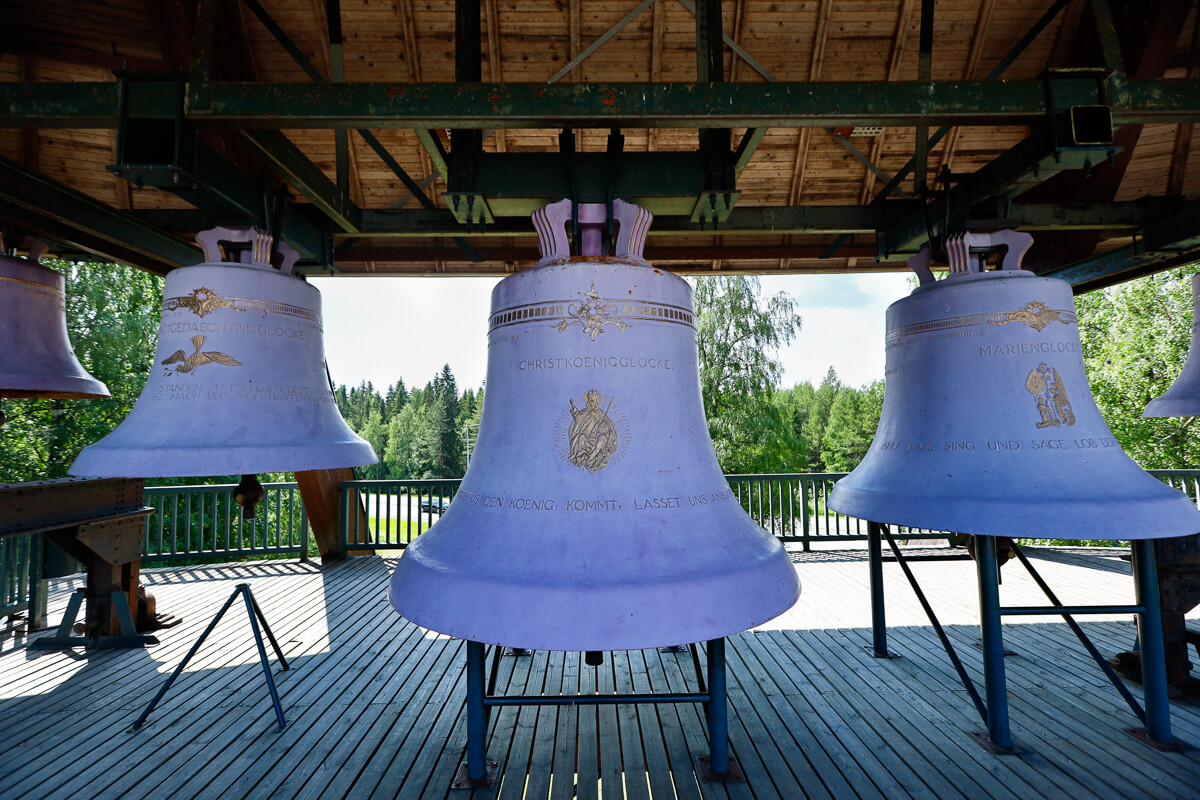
x=532 y=41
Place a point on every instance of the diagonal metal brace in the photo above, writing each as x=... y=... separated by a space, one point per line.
x=256 y=617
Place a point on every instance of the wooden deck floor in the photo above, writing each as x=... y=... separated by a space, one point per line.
x=375 y=705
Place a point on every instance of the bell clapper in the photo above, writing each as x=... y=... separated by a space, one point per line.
x=593 y=658
x=248 y=494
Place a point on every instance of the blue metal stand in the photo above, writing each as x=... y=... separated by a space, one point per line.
x=478 y=772
x=256 y=616
x=995 y=684
x=1150 y=634
x=879 y=647
x=994 y=711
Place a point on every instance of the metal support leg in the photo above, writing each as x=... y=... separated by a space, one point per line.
x=995 y=686
x=252 y=609
x=718 y=766
x=1150 y=634
x=879 y=648
x=718 y=708
x=477 y=771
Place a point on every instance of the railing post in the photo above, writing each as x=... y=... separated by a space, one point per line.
x=805 y=496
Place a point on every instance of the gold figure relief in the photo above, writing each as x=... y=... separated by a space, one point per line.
x=591 y=437
x=1046 y=386
x=196 y=359
x=592 y=314
x=1037 y=315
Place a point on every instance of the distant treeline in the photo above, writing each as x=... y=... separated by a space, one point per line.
x=418 y=432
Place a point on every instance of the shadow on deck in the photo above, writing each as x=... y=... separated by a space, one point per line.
x=375 y=706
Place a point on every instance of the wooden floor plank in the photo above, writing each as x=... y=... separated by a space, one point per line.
x=376 y=705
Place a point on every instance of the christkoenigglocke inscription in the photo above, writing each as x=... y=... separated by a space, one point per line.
x=594 y=362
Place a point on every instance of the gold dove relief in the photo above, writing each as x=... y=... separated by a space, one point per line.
x=197 y=359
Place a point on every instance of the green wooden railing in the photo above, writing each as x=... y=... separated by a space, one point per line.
x=203 y=524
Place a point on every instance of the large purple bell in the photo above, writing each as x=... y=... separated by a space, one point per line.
x=238 y=384
x=36 y=359
x=1183 y=398
x=594 y=514
x=988 y=424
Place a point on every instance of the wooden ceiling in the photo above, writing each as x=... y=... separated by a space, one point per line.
x=806 y=198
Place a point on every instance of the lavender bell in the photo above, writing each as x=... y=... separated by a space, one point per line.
x=594 y=515
x=36 y=359
x=238 y=385
x=988 y=424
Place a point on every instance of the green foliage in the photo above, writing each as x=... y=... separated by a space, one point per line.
x=1135 y=340
x=112 y=318
x=738 y=334
x=853 y=418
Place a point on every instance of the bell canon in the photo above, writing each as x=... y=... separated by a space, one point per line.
x=988 y=423
x=238 y=385
x=36 y=359
x=594 y=515
x=1183 y=398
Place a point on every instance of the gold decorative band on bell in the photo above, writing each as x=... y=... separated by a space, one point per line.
x=1036 y=315
x=558 y=312
x=35 y=286
x=204 y=301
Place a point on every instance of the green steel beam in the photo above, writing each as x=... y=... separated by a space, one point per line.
x=743 y=221
x=70 y=216
x=1023 y=166
x=599 y=105
x=1160 y=245
x=306 y=178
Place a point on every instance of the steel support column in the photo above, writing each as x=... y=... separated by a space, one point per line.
x=879 y=648
x=476 y=714
x=995 y=685
x=1150 y=635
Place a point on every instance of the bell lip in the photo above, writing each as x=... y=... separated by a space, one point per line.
x=56 y=387
x=1165 y=406
x=97 y=461
x=982 y=516
x=488 y=622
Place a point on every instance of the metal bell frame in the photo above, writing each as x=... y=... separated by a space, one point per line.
x=548 y=582
x=966 y=253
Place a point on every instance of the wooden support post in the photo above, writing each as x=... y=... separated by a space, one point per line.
x=320 y=492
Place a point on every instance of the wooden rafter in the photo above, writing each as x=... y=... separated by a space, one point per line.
x=408 y=30
x=814 y=72
x=1183 y=132
x=575 y=23
x=656 y=58
x=982 y=24
x=739 y=21
x=796 y=189
x=899 y=49
x=491 y=14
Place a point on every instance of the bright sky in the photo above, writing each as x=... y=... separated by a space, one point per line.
x=379 y=329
